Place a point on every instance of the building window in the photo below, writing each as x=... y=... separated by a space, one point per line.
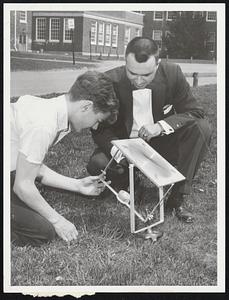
x=211 y=16
x=93 y=33
x=101 y=34
x=40 y=29
x=157 y=36
x=127 y=36
x=68 y=31
x=210 y=43
x=170 y=15
x=54 y=30
x=197 y=14
x=158 y=15
x=114 y=35
x=23 y=16
x=137 y=32
x=108 y=35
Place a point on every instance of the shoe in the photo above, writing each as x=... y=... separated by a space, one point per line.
x=174 y=204
x=183 y=214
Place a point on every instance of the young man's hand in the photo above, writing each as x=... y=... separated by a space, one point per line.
x=65 y=229
x=91 y=186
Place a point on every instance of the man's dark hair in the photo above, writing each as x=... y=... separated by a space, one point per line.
x=98 y=88
x=142 y=48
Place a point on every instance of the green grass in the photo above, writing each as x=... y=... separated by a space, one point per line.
x=36 y=65
x=106 y=253
x=50 y=55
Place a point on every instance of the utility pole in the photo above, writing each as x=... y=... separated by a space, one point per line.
x=15 y=30
x=73 y=50
x=71 y=26
x=90 y=42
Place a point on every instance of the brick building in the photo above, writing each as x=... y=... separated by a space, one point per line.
x=20 y=30
x=104 y=33
x=100 y=33
x=156 y=25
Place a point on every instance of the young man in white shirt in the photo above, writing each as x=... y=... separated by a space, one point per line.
x=36 y=124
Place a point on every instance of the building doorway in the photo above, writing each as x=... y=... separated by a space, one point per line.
x=22 y=45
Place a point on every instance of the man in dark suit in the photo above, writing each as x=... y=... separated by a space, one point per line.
x=157 y=105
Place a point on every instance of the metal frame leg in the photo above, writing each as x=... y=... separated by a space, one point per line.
x=132 y=215
x=161 y=195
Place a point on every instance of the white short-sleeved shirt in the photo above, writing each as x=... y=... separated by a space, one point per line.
x=35 y=123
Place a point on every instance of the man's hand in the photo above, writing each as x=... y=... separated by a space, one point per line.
x=65 y=229
x=91 y=186
x=149 y=131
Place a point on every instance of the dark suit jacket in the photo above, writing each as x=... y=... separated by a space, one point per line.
x=168 y=87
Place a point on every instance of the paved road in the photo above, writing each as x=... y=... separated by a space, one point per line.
x=45 y=82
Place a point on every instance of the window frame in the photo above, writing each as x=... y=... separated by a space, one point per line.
x=101 y=43
x=50 y=30
x=127 y=35
x=213 y=42
x=36 y=29
x=107 y=25
x=201 y=13
x=114 y=45
x=161 y=33
x=96 y=27
x=137 y=30
x=25 y=19
x=154 y=16
x=167 y=15
x=210 y=20
x=64 y=31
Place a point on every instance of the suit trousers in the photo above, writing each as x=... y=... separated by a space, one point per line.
x=185 y=149
x=27 y=226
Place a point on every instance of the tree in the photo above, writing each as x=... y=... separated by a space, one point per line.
x=187 y=37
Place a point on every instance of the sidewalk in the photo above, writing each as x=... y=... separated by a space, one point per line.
x=58 y=81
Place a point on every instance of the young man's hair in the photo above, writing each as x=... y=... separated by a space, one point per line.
x=142 y=48
x=98 y=88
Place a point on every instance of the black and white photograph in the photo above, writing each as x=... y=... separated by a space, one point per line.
x=114 y=174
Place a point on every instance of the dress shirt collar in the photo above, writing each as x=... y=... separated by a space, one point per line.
x=62 y=113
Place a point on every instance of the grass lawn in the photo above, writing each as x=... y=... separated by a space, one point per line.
x=49 y=55
x=17 y=64
x=106 y=253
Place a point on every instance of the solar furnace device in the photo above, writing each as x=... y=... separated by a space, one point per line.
x=158 y=171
